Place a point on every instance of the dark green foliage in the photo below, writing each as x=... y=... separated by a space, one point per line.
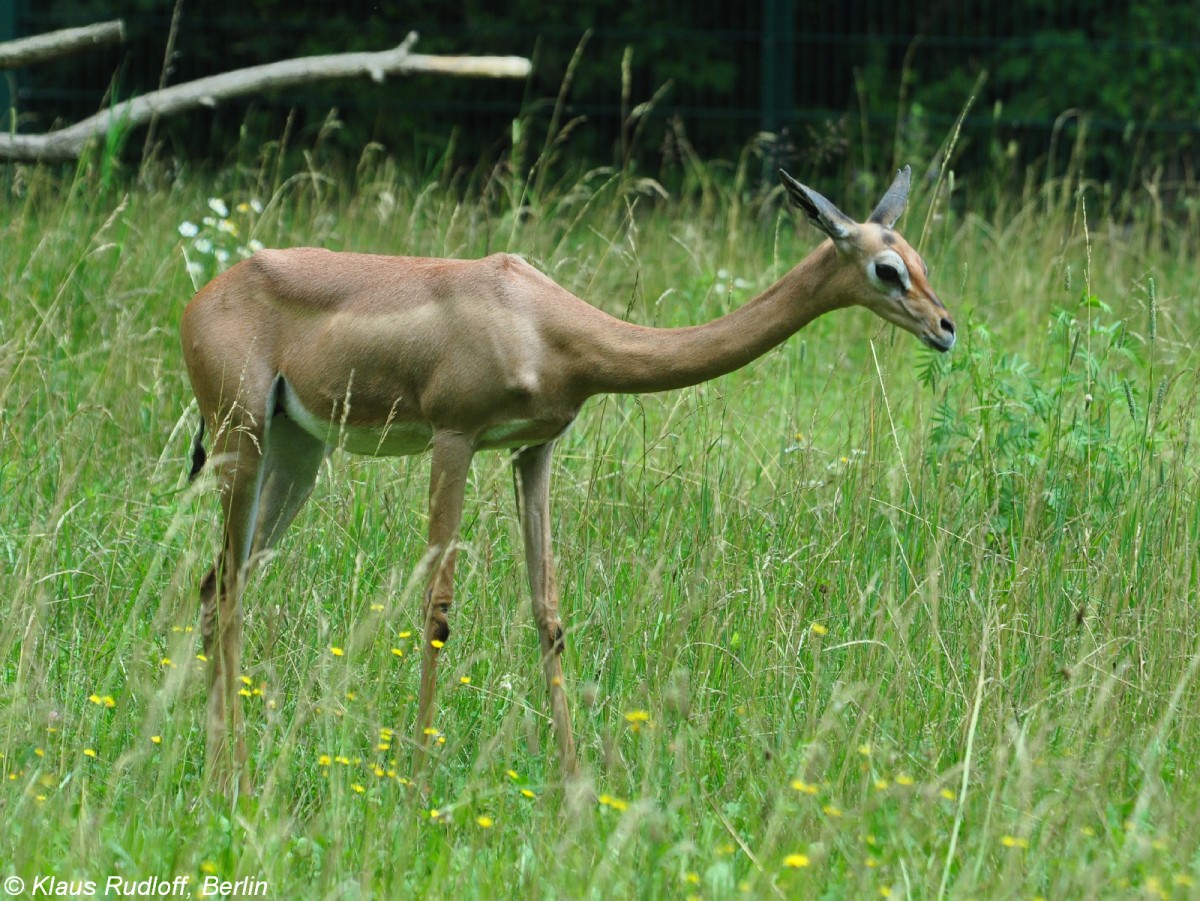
x=873 y=86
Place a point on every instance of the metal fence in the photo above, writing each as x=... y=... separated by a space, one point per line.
x=734 y=69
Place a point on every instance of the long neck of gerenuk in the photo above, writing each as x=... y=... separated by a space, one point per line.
x=637 y=359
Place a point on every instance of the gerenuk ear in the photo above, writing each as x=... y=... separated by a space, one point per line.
x=894 y=201
x=821 y=213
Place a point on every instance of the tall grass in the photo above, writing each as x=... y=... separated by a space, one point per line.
x=853 y=621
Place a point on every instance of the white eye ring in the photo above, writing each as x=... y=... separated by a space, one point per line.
x=889 y=273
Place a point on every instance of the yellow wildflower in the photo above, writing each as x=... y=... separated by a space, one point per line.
x=637 y=719
x=796 y=861
x=615 y=803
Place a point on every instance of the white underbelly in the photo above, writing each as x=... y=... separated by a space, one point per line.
x=398 y=439
x=394 y=439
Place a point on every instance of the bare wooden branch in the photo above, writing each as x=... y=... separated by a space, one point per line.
x=27 y=51
x=68 y=143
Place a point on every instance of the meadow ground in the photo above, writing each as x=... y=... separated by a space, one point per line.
x=855 y=621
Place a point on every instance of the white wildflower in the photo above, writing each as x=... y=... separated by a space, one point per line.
x=189 y=229
x=217 y=205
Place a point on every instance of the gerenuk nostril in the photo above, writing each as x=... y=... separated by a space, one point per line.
x=947 y=326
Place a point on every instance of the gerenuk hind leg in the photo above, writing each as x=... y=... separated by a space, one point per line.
x=266 y=475
x=240 y=458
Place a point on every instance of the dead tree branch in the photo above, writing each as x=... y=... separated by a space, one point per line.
x=68 y=143
x=27 y=51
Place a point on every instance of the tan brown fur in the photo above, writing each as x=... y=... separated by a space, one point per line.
x=295 y=351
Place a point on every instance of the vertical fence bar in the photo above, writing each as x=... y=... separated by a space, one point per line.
x=778 y=64
x=10 y=16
